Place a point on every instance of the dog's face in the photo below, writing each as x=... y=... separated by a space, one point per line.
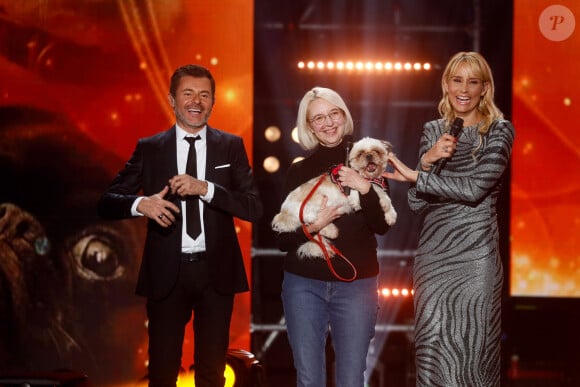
x=368 y=156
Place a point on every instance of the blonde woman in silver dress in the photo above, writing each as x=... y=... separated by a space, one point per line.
x=458 y=275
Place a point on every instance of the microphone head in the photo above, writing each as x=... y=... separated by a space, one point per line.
x=456 y=126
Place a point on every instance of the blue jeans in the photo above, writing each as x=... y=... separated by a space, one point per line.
x=313 y=308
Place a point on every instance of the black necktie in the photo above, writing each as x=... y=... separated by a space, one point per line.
x=192 y=204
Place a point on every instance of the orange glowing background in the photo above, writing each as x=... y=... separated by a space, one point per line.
x=545 y=207
x=104 y=66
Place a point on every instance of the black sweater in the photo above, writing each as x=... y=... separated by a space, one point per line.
x=356 y=240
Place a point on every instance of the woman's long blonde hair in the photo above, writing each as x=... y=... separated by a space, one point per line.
x=480 y=68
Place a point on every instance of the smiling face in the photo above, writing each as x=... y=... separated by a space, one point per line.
x=369 y=157
x=326 y=122
x=192 y=103
x=465 y=90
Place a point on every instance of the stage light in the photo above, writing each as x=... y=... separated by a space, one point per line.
x=294 y=135
x=361 y=66
x=242 y=370
x=271 y=164
x=396 y=292
x=272 y=133
x=187 y=379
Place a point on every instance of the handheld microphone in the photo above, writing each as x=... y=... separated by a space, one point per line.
x=348 y=143
x=456 y=127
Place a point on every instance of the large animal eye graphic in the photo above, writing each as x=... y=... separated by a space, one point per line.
x=96 y=256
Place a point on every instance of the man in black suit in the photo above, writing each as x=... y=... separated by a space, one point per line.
x=181 y=273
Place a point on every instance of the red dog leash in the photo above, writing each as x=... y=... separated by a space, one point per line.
x=318 y=239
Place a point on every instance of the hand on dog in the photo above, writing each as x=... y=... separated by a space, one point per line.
x=401 y=171
x=326 y=215
x=348 y=177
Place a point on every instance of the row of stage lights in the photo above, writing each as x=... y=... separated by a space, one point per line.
x=271 y=164
x=361 y=66
x=387 y=292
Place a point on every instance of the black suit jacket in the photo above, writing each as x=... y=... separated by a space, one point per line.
x=152 y=164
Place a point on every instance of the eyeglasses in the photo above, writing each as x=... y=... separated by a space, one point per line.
x=335 y=115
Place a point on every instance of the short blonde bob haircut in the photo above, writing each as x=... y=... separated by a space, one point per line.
x=480 y=69
x=306 y=136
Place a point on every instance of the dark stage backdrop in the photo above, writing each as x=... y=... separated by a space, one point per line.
x=545 y=209
x=80 y=82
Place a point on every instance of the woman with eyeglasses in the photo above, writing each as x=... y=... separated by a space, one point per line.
x=457 y=274
x=337 y=296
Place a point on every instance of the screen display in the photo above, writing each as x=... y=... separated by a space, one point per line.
x=545 y=204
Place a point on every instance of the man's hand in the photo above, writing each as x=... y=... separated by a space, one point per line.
x=155 y=207
x=186 y=185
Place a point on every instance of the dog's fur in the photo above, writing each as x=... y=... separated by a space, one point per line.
x=369 y=157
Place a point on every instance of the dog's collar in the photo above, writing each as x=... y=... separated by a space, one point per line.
x=381 y=182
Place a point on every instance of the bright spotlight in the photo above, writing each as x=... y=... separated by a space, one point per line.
x=362 y=66
x=295 y=135
x=271 y=164
x=272 y=133
x=388 y=292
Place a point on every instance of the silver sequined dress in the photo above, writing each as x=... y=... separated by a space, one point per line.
x=457 y=275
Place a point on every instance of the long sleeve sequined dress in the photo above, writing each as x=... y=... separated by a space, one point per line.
x=457 y=274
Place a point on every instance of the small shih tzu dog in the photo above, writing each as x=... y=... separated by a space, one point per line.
x=369 y=158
